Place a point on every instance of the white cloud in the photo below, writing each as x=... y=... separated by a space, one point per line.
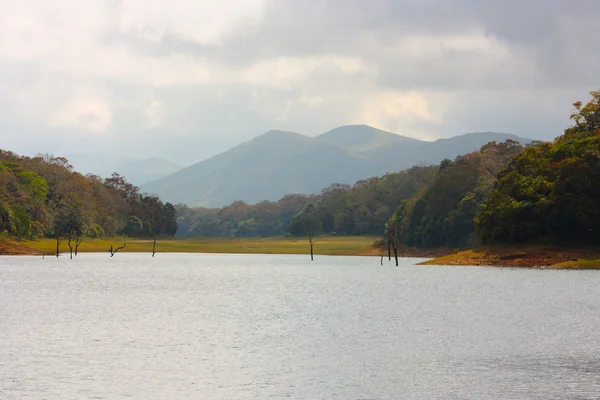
x=399 y=112
x=155 y=112
x=98 y=69
x=289 y=72
x=201 y=21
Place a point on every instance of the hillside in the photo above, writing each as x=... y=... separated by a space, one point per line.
x=399 y=156
x=278 y=163
x=42 y=197
x=265 y=168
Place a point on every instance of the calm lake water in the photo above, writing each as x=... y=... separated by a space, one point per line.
x=190 y=326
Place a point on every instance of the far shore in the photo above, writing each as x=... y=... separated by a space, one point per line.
x=527 y=256
x=327 y=245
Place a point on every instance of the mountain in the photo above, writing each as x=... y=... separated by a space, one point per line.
x=359 y=139
x=398 y=156
x=137 y=171
x=265 y=168
x=278 y=163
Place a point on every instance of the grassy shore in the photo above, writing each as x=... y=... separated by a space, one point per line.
x=501 y=256
x=342 y=245
x=326 y=245
x=524 y=256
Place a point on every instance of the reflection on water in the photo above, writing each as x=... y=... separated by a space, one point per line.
x=256 y=327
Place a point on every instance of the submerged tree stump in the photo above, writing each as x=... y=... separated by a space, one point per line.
x=77 y=243
x=70 y=248
x=113 y=252
x=58 y=242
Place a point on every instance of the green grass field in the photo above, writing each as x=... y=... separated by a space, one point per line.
x=346 y=245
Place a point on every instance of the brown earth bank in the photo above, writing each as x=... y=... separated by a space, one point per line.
x=11 y=248
x=524 y=256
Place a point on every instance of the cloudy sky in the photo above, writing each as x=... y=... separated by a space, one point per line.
x=184 y=79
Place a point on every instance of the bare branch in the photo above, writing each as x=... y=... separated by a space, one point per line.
x=112 y=252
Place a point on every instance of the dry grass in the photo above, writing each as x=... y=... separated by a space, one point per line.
x=579 y=264
x=523 y=256
x=351 y=245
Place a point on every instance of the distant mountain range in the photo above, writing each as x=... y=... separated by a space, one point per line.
x=279 y=163
x=136 y=171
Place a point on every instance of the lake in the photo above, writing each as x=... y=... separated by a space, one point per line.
x=195 y=326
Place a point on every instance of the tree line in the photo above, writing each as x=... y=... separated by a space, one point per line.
x=359 y=209
x=43 y=197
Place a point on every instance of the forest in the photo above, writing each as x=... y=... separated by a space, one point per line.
x=359 y=209
x=43 y=197
x=545 y=191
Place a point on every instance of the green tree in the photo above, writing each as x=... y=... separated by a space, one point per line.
x=134 y=227
x=550 y=192
x=305 y=225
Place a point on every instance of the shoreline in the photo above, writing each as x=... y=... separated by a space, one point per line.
x=526 y=256
x=331 y=245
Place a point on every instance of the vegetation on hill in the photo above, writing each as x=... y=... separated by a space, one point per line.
x=551 y=191
x=429 y=206
x=44 y=197
x=443 y=213
x=546 y=192
x=279 y=163
x=359 y=209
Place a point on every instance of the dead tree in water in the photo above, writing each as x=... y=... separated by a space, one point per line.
x=394 y=242
x=112 y=252
x=310 y=240
x=70 y=247
x=58 y=242
x=77 y=243
x=154 y=247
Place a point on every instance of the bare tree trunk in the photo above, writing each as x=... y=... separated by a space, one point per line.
x=392 y=241
x=58 y=242
x=389 y=249
x=70 y=248
x=77 y=243
x=112 y=252
x=154 y=247
x=310 y=240
x=382 y=259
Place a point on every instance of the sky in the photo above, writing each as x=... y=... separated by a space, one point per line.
x=186 y=79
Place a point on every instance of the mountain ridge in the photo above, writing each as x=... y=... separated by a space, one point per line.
x=276 y=163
